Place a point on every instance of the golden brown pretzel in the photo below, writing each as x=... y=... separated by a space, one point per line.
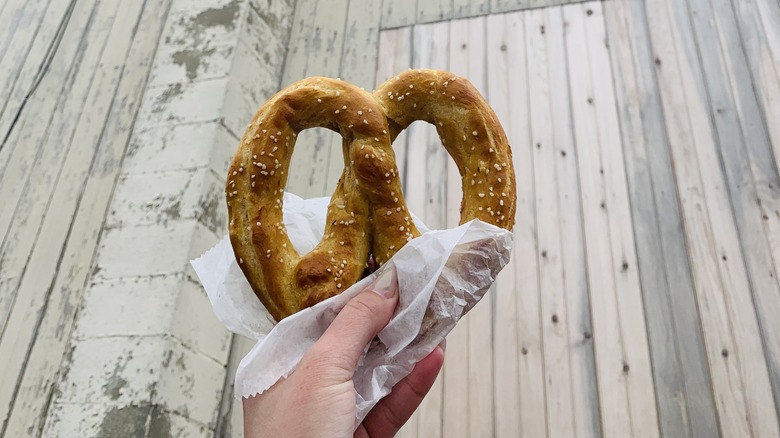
x=367 y=214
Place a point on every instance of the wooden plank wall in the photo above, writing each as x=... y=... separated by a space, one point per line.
x=62 y=92
x=644 y=275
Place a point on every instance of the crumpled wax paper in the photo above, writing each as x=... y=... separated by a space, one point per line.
x=441 y=276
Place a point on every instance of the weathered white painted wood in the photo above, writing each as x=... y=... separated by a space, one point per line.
x=232 y=421
x=470 y=8
x=357 y=66
x=505 y=351
x=456 y=372
x=20 y=52
x=584 y=393
x=40 y=111
x=637 y=368
x=20 y=329
x=681 y=373
x=607 y=333
x=747 y=162
x=557 y=373
x=433 y=10
x=395 y=56
x=757 y=20
x=532 y=415
x=739 y=376
x=498 y=6
x=42 y=154
x=397 y=13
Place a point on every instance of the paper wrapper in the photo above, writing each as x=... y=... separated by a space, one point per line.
x=441 y=276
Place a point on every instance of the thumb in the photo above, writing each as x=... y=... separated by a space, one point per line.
x=344 y=342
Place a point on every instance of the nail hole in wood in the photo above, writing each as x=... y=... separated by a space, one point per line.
x=563 y=153
x=555 y=319
x=587 y=335
x=625 y=368
x=524 y=350
x=724 y=353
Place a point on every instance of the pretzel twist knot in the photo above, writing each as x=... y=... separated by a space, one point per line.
x=367 y=216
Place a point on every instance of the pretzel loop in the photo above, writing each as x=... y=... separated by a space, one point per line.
x=367 y=216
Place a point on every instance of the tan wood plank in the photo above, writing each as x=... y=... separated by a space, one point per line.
x=637 y=367
x=38 y=149
x=432 y=43
x=607 y=330
x=584 y=393
x=557 y=373
x=21 y=250
x=746 y=152
x=739 y=376
x=79 y=242
x=680 y=368
x=456 y=413
x=506 y=389
x=532 y=415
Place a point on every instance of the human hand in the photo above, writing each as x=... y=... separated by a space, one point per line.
x=318 y=398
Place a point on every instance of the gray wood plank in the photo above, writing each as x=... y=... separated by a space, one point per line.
x=434 y=10
x=358 y=60
x=86 y=193
x=470 y=8
x=746 y=157
x=681 y=374
x=584 y=391
x=50 y=116
x=498 y=6
x=19 y=329
x=398 y=13
x=320 y=37
x=740 y=379
x=758 y=25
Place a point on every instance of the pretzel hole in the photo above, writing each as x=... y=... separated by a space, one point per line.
x=316 y=163
x=431 y=181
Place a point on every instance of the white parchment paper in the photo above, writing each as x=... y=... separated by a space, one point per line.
x=441 y=275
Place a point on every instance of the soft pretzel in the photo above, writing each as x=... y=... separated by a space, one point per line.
x=367 y=216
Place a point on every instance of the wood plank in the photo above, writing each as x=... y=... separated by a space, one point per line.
x=456 y=413
x=607 y=330
x=470 y=8
x=498 y=6
x=434 y=10
x=398 y=13
x=436 y=41
x=557 y=373
x=746 y=155
x=38 y=150
x=730 y=331
x=532 y=413
x=681 y=373
x=19 y=329
x=506 y=390
x=123 y=86
x=36 y=61
x=357 y=66
x=396 y=48
x=481 y=324
x=637 y=366
x=757 y=21
x=584 y=393
x=20 y=27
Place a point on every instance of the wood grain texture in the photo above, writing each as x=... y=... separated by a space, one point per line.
x=746 y=154
x=681 y=372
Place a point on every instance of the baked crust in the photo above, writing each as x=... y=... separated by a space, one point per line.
x=367 y=215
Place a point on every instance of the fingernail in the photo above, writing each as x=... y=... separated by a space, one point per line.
x=443 y=344
x=386 y=284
